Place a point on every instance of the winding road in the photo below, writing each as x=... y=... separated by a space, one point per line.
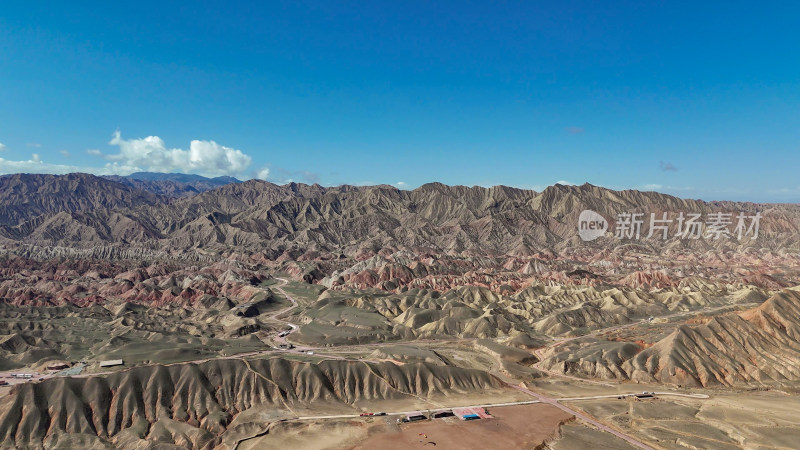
x=274 y=316
x=281 y=338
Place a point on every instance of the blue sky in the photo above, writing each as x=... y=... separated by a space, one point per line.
x=696 y=100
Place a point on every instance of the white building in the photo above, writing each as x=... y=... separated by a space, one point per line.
x=111 y=363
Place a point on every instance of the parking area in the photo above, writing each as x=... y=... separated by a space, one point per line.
x=472 y=413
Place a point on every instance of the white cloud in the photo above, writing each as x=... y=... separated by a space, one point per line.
x=148 y=154
x=263 y=174
x=401 y=184
x=652 y=187
x=64 y=153
x=2 y=146
x=151 y=154
x=33 y=144
x=36 y=165
x=565 y=183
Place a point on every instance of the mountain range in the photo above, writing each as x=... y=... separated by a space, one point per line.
x=79 y=210
x=172 y=184
x=388 y=295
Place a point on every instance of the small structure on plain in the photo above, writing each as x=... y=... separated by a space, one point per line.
x=111 y=363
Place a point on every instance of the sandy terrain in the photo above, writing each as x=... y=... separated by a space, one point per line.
x=523 y=426
x=742 y=420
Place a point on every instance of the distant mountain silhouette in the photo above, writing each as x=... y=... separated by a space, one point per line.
x=172 y=184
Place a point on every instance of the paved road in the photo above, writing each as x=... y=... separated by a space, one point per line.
x=7 y=374
x=501 y=405
x=555 y=402
x=539 y=353
x=662 y=394
x=552 y=401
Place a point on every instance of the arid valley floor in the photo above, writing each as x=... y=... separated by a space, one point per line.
x=250 y=315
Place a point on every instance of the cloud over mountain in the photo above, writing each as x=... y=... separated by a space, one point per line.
x=36 y=165
x=149 y=154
